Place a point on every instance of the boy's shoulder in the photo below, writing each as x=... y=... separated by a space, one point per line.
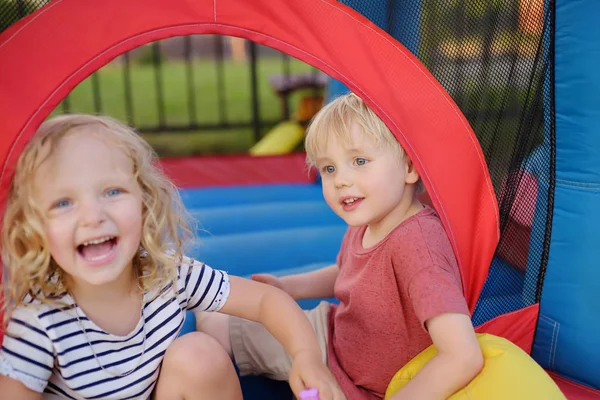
x=424 y=227
x=421 y=241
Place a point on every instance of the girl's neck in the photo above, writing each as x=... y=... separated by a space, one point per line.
x=114 y=292
x=114 y=307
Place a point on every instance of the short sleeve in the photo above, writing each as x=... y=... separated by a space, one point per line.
x=434 y=291
x=205 y=289
x=27 y=353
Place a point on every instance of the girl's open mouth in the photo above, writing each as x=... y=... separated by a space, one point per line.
x=97 y=250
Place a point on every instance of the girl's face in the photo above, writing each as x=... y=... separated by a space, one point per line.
x=92 y=210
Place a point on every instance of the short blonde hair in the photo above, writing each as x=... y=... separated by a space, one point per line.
x=165 y=223
x=336 y=119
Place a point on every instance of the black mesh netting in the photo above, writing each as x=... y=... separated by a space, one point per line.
x=13 y=10
x=495 y=60
x=494 y=57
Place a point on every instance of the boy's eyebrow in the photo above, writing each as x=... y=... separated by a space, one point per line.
x=322 y=158
x=355 y=150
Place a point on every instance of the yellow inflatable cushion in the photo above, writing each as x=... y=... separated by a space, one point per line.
x=508 y=373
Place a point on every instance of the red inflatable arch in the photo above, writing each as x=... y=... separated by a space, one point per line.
x=47 y=54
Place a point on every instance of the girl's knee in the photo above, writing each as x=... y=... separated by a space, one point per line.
x=196 y=366
x=199 y=356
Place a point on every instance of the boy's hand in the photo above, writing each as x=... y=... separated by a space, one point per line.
x=308 y=371
x=269 y=280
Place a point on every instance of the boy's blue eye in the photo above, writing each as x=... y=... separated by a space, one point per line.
x=360 y=161
x=329 y=169
x=113 y=192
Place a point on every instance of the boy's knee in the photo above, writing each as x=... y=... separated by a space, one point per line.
x=198 y=355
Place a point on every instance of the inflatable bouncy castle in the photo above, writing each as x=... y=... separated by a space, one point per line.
x=495 y=101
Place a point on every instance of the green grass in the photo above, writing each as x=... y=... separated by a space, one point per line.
x=236 y=94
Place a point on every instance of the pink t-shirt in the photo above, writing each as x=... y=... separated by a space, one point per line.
x=386 y=294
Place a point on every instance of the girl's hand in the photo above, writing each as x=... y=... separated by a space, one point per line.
x=308 y=371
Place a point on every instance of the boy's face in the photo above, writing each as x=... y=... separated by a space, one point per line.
x=365 y=184
x=91 y=209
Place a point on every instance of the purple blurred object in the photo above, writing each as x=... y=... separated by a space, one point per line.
x=309 y=394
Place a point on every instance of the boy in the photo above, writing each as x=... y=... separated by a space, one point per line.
x=396 y=276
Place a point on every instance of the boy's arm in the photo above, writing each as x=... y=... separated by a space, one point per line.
x=457 y=362
x=286 y=321
x=310 y=285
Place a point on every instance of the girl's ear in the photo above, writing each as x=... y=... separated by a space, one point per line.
x=411 y=176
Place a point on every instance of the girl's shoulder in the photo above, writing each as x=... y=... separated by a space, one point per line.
x=35 y=310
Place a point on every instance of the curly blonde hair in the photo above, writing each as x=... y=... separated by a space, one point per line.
x=166 y=224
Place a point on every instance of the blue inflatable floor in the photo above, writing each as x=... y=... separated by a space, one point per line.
x=285 y=229
x=278 y=229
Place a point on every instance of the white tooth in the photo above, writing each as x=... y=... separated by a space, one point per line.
x=97 y=241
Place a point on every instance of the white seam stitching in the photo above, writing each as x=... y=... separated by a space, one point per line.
x=551 y=346
x=555 y=345
x=547 y=319
x=50 y=6
x=452 y=105
x=587 y=186
x=578 y=182
x=550 y=349
x=488 y=183
x=443 y=213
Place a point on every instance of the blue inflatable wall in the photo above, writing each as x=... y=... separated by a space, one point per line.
x=566 y=340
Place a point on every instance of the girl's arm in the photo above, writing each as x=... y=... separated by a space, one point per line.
x=457 y=362
x=13 y=389
x=284 y=319
x=310 y=285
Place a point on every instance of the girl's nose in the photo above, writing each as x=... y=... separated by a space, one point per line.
x=91 y=213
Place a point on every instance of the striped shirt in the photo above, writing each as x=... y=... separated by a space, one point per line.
x=46 y=349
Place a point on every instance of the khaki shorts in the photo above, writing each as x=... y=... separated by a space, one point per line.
x=257 y=352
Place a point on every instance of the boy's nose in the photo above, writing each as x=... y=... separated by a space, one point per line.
x=342 y=179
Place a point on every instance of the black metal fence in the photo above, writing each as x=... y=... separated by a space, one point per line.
x=263 y=88
x=236 y=102
x=464 y=39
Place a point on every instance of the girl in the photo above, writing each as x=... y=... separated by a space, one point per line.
x=98 y=286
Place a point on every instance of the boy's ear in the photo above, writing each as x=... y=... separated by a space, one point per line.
x=412 y=176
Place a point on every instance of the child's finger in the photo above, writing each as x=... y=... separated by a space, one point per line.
x=263 y=278
x=296 y=384
x=339 y=395
x=325 y=392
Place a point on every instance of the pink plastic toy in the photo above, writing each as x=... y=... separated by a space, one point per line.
x=309 y=394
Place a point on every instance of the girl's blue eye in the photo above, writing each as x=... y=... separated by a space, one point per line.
x=360 y=161
x=329 y=169
x=62 y=204
x=113 y=192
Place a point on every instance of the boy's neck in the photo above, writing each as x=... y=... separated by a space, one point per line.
x=379 y=230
